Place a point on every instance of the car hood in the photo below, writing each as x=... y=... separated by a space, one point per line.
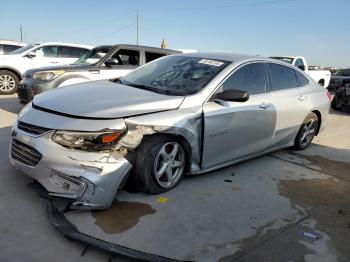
x=67 y=68
x=105 y=100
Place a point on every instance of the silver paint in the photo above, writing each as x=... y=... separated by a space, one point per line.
x=215 y=133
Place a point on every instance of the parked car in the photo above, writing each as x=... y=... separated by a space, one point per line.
x=340 y=84
x=7 y=46
x=321 y=77
x=102 y=62
x=14 y=64
x=186 y=113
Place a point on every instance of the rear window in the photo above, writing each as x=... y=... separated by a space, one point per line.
x=152 y=56
x=301 y=79
x=282 y=77
x=10 y=48
x=71 y=52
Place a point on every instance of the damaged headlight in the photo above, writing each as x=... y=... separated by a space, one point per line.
x=47 y=75
x=89 y=141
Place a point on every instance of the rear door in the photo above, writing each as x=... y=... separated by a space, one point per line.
x=236 y=130
x=290 y=99
x=124 y=61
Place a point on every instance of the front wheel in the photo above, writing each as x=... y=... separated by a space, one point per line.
x=306 y=132
x=160 y=164
x=8 y=82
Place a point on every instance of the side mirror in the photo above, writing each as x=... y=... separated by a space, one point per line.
x=31 y=54
x=111 y=62
x=232 y=95
x=301 y=67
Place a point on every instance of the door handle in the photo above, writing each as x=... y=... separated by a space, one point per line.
x=54 y=62
x=94 y=71
x=302 y=98
x=264 y=105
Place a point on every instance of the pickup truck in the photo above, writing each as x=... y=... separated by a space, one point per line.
x=322 y=77
x=14 y=64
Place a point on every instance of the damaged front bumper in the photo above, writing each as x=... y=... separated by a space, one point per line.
x=90 y=179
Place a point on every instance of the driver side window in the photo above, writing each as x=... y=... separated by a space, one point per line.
x=250 y=78
x=47 y=51
x=127 y=57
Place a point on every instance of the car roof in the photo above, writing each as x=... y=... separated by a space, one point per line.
x=67 y=44
x=11 y=42
x=148 y=48
x=233 y=57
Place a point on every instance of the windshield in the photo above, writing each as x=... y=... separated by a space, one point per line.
x=288 y=60
x=21 y=50
x=175 y=75
x=343 y=72
x=92 y=57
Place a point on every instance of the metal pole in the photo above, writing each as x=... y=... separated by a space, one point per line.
x=137 y=27
x=20 y=30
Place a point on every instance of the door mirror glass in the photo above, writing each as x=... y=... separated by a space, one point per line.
x=301 y=67
x=232 y=95
x=31 y=54
x=111 y=62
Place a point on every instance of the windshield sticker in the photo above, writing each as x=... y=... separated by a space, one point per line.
x=210 y=62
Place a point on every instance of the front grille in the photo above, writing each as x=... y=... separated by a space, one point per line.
x=36 y=130
x=22 y=93
x=24 y=153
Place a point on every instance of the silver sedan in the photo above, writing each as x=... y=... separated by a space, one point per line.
x=181 y=114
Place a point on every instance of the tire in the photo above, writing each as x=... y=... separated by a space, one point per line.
x=156 y=156
x=8 y=82
x=334 y=104
x=306 y=132
x=321 y=82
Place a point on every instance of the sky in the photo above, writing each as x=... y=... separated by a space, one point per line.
x=315 y=29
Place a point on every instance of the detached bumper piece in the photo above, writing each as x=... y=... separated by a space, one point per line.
x=65 y=227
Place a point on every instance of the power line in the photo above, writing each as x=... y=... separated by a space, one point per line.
x=219 y=6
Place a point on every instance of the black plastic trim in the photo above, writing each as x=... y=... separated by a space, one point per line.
x=65 y=227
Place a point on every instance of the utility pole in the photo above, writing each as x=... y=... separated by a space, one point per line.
x=137 y=27
x=20 y=31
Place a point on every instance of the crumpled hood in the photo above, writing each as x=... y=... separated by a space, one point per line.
x=104 y=99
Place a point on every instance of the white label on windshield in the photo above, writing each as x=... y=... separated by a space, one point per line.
x=210 y=62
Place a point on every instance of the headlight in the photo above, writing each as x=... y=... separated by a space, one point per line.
x=89 y=141
x=47 y=75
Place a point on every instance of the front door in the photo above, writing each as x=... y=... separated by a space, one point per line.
x=120 y=63
x=236 y=130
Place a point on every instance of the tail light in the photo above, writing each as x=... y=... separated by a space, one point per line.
x=329 y=96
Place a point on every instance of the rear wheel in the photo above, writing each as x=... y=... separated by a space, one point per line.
x=334 y=104
x=306 y=132
x=8 y=82
x=160 y=164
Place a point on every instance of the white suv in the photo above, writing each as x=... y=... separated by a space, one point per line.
x=14 y=64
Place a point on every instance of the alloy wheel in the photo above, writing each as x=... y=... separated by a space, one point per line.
x=7 y=83
x=308 y=132
x=169 y=164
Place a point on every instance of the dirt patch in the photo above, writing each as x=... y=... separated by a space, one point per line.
x=121 y=216
x=328 y=202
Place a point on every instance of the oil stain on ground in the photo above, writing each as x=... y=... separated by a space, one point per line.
x=327 y=166
x=328 y=201
x=121 y=216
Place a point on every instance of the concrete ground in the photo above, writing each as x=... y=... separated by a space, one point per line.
x=255 y=211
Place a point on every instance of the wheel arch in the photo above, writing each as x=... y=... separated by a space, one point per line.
x=319 y=118
x=17 y=73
